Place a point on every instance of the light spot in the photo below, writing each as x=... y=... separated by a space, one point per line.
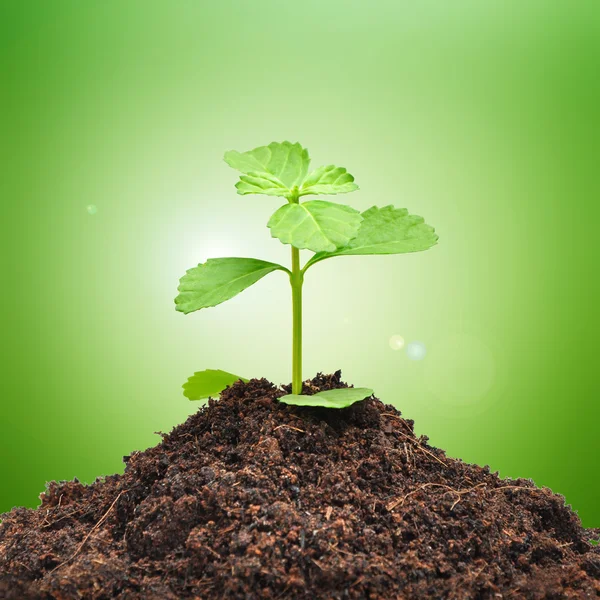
x=92 y=209
x=416 y=350
x=396 y=342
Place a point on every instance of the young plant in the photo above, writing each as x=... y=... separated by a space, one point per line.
x=325 y=228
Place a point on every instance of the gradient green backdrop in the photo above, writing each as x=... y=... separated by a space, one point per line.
x=481 y=116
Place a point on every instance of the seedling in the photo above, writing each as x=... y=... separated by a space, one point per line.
x=325 y=228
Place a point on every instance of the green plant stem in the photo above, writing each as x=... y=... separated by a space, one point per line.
x=296 y=280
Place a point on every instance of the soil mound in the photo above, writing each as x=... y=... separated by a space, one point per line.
x=250 y=498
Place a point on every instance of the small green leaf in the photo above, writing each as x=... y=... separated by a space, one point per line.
x=261 y=183
x=218 y=280
x=328 y=180
x=386 y=230
x=208 y=383
x=286 y=161
x=340 y=398
x=316 y=225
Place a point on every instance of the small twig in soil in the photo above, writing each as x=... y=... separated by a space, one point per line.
x=18 y=562
x=403 y=421
x=399 y=502
x=87 y=537
x=517 y=487
x=413 y=437
x=424 y=449
x=230 y=528
x=47 y=523
x=480 y=571
x=211 y=551
x=289 y=427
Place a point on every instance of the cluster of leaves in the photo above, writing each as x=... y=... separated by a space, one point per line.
x=328 y=229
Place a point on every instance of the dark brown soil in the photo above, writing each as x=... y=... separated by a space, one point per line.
x=254 y=499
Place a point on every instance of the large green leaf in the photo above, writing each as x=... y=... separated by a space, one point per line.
x=340 y=398
x=286 y=161
x=218 y=280
x=386 y=230
x=328 y=180
x=261 y=183
x=208 y=383
x=316 y=225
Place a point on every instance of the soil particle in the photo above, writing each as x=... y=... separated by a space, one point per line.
x=250 y=498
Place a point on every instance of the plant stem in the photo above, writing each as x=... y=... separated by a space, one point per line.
x=296 y=279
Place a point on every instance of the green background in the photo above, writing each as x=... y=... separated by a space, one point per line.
x=481 y=116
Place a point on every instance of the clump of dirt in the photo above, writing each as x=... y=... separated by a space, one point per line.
x=251 y=498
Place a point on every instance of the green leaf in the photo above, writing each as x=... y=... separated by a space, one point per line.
x=208 y=383
x=218 y=280
x=340 y=398
x=316 y=225
x=386 y=230
x=328 y=180
x=286 y=161
x=261 y=183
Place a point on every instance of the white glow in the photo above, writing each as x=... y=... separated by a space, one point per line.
x=416 y=351
x=396 y=342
